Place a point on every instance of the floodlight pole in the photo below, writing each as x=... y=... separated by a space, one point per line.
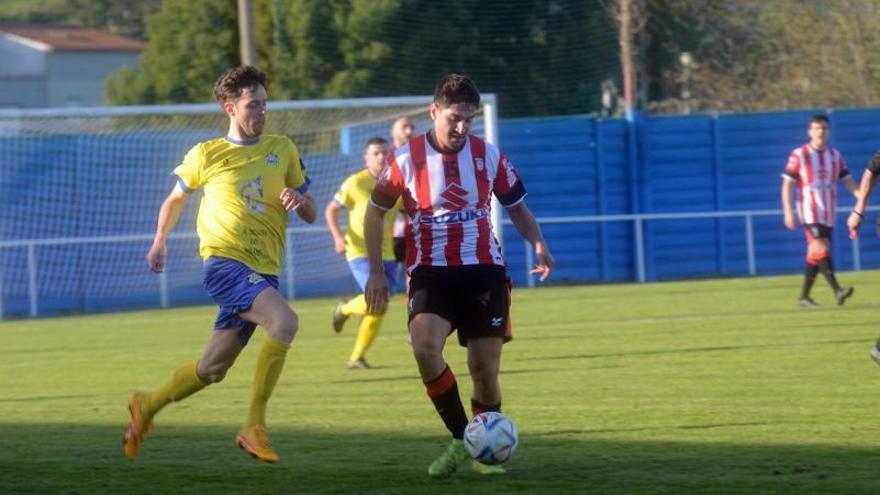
x=246 y=32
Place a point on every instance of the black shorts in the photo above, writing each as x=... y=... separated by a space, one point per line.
x=817 y=231
x=474 y=299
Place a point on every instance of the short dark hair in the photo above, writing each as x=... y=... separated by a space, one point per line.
x=456 y=88
x=375 y=140
x=819 y=117
x=231 y=83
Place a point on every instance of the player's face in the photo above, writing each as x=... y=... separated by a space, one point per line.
x=452 y=124
x=248 y=111
x=374 y=157
x=819 y=134
x=401 y=131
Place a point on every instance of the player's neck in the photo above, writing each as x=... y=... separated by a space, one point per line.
x=820 y=147
x=432 y=140
x=236 y=135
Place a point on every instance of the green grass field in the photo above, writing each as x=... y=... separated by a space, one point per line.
x=721 y=386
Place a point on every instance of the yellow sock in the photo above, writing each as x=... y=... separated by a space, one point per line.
x=270 y=362
x=356 y=306
x=367 y=332
x=184 y=382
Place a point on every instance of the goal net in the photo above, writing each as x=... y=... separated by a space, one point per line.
x=81 y=189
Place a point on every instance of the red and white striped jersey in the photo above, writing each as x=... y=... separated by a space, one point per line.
x=447 y=198
x=816 y=174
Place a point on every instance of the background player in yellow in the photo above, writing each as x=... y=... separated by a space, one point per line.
x=354 y=194
x=251 y=181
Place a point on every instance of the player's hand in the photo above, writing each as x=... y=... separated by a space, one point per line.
x=854 y=221
x=291 y=199
x=544 y=261
x=339 y=245
x=156 y=257
x=789 y=221
x=376 y=293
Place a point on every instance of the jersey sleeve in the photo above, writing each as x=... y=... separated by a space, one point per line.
x=508 y=187
x=844 y=171
x=874 y=164
x=296 y=171
x=343 y=195
x=389 y=186
x=190 y=172
x=792 y=168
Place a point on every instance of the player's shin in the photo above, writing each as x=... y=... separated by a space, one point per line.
x=443 y=391
x=270 y=362
x=367 y=332
x=184 y=382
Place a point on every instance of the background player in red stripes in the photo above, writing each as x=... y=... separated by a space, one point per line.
x=816 y=169
x=458 y=275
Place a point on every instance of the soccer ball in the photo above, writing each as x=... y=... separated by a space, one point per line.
x=491 y=438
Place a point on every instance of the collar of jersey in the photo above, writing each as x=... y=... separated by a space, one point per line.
x=246 y=142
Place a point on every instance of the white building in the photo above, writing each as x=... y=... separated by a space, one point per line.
x=60 y=67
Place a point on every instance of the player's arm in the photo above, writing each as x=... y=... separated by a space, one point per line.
x=169 y=214
x=858 y=214
x=787 y=213
x=524 y=221
x=851 y=186
x=376 y=290
x=331 y=215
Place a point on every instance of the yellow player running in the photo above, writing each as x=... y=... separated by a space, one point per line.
x=250 y=182
x=354 y=194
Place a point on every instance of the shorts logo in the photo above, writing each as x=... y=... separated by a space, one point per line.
x=271 y=159
x=254 y=278
x=496 y=321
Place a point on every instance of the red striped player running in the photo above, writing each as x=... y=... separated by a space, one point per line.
x=816 y=168
x=459 y=277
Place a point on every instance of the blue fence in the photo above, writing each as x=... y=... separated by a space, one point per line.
x=582 y=166
x=570 y=165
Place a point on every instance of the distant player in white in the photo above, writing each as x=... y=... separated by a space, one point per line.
x=816 y=169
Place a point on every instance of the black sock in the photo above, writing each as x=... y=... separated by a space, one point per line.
x=443 y=391
x=809 y=277
x=828 y=271
x=479 y=407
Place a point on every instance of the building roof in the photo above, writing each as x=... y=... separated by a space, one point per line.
x=50 y=39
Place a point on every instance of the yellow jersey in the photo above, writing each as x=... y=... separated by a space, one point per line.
x=240 y=215
x=354 y=194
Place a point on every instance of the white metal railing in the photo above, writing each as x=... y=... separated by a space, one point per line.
x=638 y=228
x=639 y=218
x=32 y=263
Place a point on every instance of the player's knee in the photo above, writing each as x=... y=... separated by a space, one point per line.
x=212 y=372
x=426 y=351
x=285 y=326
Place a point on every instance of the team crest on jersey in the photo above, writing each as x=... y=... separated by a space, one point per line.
x=481 y=164
x=271 y=159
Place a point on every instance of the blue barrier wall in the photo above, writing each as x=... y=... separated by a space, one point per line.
x=571 y=166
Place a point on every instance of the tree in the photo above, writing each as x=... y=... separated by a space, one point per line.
x=191 y=42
